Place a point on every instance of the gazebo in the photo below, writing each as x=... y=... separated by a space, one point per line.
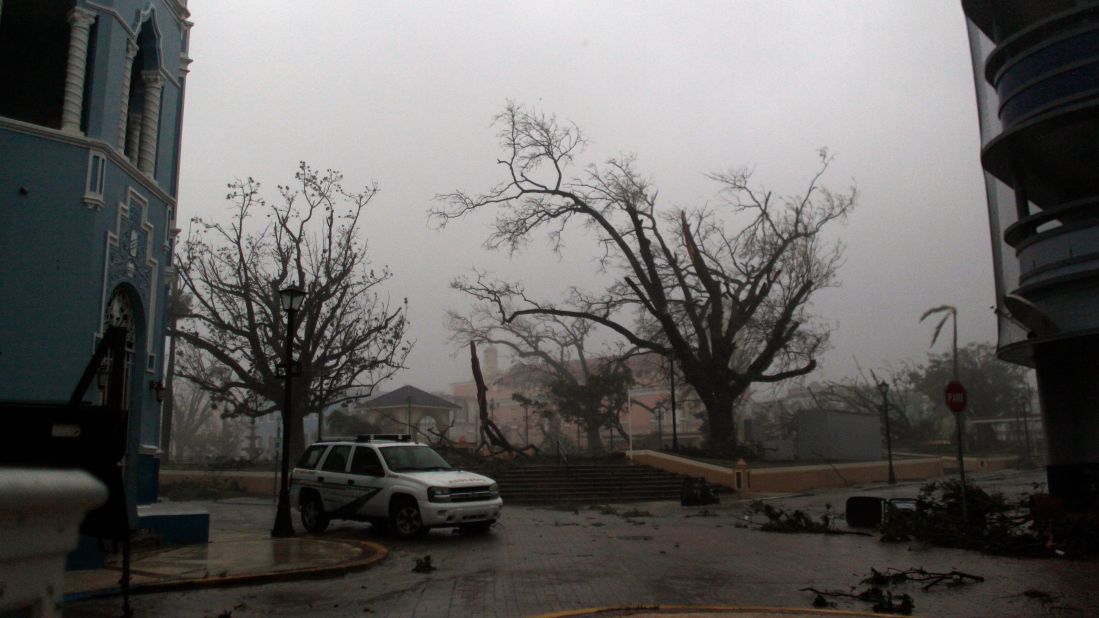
x=410 y=410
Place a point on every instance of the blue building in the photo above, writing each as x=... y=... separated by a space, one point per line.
x=91 y=107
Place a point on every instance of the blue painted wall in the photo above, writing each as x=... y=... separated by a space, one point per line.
x=65 y=248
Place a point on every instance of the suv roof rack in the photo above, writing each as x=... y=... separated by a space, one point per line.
x=375 y=437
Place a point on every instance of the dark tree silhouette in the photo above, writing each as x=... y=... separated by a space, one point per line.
x=711 y=285
x=348 y=338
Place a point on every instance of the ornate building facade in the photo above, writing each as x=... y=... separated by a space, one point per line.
x=91 y=109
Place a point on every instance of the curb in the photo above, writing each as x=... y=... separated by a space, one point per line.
x=379 y=552
x=671 y=610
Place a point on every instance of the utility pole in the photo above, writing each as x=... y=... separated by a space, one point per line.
x=883 y=386
x=955 y=396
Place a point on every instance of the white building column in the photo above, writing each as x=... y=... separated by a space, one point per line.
x=80 y=22
x=133 y=136
x=150 y=121
x=124 y=111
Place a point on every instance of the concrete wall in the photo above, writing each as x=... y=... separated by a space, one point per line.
x=796 y=478
x=715 y=475
x=803 y=478
x=248 y=481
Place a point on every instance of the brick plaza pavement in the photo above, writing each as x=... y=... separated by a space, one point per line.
x=544 y=560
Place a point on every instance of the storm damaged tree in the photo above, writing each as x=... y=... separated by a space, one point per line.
x=554 y=360
x=719 y=283
x=349 y=337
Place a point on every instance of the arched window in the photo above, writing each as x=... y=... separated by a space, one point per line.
x=141 y=110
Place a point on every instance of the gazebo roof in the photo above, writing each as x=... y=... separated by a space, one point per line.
x=408 y=395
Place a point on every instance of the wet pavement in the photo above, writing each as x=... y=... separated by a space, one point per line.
x=225 y=561
x=540 y=561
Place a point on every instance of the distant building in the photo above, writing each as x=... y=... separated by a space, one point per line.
x=838 y=435
x=91 y=109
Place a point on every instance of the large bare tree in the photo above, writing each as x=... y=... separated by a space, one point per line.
x=711 y=285
x=348 y=336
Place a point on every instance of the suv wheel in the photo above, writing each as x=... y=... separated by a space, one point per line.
x=404 y=519
x=313 y=517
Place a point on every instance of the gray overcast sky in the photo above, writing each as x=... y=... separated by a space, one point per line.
x=404 y=93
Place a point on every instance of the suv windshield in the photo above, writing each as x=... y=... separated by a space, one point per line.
x=413 y=459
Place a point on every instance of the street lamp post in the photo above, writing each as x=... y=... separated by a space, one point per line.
x=291 y=298
x=675 y=430
x=884 y=388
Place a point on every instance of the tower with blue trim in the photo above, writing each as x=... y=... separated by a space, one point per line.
x=91 y=109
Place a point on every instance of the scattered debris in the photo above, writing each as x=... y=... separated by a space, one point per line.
x=635 y=513
x=882 y=601
x=879 y=588
x=696 y=492
x=701 y=513
x=1031 y=527
x=780 y=520
x=1035 y=526
x=891 y=577
x=423 y=565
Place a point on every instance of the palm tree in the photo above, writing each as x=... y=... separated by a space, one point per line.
x=951 y=312
x=948 y=312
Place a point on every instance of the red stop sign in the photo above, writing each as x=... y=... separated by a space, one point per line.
x=955 y=396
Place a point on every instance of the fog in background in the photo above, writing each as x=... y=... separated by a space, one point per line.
x=405 y=93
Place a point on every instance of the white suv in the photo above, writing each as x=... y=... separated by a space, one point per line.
x=388 y=479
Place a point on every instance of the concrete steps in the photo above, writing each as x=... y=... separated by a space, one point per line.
x=586 y=484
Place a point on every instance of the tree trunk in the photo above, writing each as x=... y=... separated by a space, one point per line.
x=595 y=441
x=721 y=440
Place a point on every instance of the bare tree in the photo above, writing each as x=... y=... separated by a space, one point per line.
x=349 y=337
x=712 y=282
x=863 y=394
